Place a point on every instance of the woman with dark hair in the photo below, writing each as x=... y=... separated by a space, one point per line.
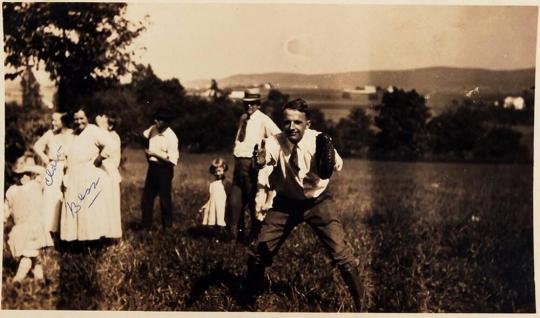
x=111 y=166
x=88 y=190
x=51 y=149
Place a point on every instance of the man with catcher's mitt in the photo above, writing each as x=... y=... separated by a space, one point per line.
x=299 y=162
x=325 y=155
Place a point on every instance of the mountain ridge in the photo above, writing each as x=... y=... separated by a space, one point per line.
x=426 y=80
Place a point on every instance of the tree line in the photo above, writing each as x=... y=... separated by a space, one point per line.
x=400 y=127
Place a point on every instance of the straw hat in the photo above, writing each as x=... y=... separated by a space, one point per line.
x=27 y=164
x=252 y=95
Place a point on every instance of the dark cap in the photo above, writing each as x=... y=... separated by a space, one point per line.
x=164 y=114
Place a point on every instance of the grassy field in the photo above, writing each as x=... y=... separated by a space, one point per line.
x=430 y=238
x=335 y=107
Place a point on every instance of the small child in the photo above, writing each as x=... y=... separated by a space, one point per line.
x=214 y=209
x=24 y=202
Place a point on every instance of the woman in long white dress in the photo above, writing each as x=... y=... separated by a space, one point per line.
x=52 y=148
x=88 y=191
x=111 y=165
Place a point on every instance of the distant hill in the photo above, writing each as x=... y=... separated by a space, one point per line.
x=430 y=80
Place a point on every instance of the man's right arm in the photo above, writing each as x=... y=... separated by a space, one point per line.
x=270 y=127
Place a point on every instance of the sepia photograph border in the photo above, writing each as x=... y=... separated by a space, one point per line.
x=536 y=189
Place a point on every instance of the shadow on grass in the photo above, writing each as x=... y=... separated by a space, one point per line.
x=79 y=283
x=217 y=277
x=235 y=288
x=197 y=232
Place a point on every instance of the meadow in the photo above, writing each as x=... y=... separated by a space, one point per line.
x=430 y=237
x=335 y=107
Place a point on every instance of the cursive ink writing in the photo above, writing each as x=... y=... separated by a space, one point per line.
x=75 y=207
x=50 y=171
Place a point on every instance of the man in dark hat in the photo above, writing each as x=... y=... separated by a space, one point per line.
x=253 y=127
x=162 y=155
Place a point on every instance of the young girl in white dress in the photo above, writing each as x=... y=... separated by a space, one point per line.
x=213 y=210
x=24 y=202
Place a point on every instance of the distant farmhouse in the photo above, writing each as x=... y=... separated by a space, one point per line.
x=367 y=95
x=516 y=102
x=233 y=93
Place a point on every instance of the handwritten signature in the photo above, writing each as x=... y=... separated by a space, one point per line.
x=75 y=207
x=50 y=171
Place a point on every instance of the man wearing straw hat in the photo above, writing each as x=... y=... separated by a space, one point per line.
x=254 y=126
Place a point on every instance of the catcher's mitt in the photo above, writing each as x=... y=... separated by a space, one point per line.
x=325 y=156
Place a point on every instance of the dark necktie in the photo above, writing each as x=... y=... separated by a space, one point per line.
x=293 y=160
x=243 y=125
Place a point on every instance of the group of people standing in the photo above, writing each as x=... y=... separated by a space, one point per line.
x=73 y=195
x=276 y=178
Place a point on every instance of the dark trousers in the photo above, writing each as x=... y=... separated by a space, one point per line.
x=242 y=196
x=286 y=214
x=158 y=181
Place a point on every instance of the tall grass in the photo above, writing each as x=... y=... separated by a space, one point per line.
x=429 y=238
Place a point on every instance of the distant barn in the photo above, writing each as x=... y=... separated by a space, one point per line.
x=516 y=102
x=366 y=95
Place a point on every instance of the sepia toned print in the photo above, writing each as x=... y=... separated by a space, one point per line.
x=381 y=157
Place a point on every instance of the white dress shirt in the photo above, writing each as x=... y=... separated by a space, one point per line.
x=259 y=126
x=303 y=183
x=164 y=144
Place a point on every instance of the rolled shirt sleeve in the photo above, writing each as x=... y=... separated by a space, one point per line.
x=165 y=144
x=272 y=155
x=172 y=148
x=270 y=127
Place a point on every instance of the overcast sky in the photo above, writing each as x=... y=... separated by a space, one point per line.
x=196 y=41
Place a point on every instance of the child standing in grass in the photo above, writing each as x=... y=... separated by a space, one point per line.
x=214 y=209
x=24 y=202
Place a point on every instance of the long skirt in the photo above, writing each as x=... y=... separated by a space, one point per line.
x=88 y=204
x=115 y=220
x=52 y=197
